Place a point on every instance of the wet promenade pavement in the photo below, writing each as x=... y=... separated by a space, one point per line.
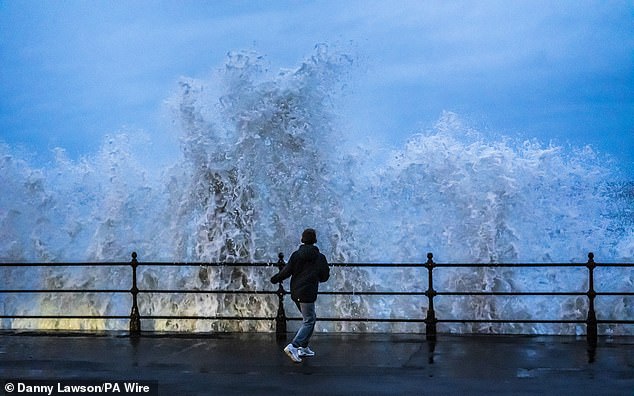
x=375 y=364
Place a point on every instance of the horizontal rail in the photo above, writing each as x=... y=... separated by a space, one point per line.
x=371 y=293
x=169 y=291
x=65 y=291
x=379 y=320
x=485 y=293
x=389 y=265
x=325 y=319
x=201 y=264
x=508 y=265
x=127 y=317
x=77 y=264
x=338 y=293
x=344 y=265
x=502 y=321
x=498 y=321
x=193 y=317
x=333 y=293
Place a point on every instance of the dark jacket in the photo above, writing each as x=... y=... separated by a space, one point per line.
x=306 y=267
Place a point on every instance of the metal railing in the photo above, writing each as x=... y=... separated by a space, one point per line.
x=430 y=320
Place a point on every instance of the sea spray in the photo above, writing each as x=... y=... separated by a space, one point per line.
x=469 y=199
x=262 y=157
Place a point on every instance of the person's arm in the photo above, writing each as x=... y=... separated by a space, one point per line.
x=284 y=273
x=324 y=270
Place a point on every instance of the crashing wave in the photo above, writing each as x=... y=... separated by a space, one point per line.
x=263 y=157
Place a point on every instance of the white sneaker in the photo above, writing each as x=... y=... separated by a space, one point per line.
x=293 y=353
x=305 y=351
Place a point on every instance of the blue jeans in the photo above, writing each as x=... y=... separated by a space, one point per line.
x=302 y=338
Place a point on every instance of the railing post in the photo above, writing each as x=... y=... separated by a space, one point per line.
x=135 y=319
x=280 y=319
x=591 y=321
x=430 y=320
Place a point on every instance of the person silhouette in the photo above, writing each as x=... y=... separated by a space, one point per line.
x=307 y=267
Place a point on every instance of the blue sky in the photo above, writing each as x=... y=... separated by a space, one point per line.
x=563 y=71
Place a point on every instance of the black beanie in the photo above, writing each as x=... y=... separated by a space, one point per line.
x=309 y=236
